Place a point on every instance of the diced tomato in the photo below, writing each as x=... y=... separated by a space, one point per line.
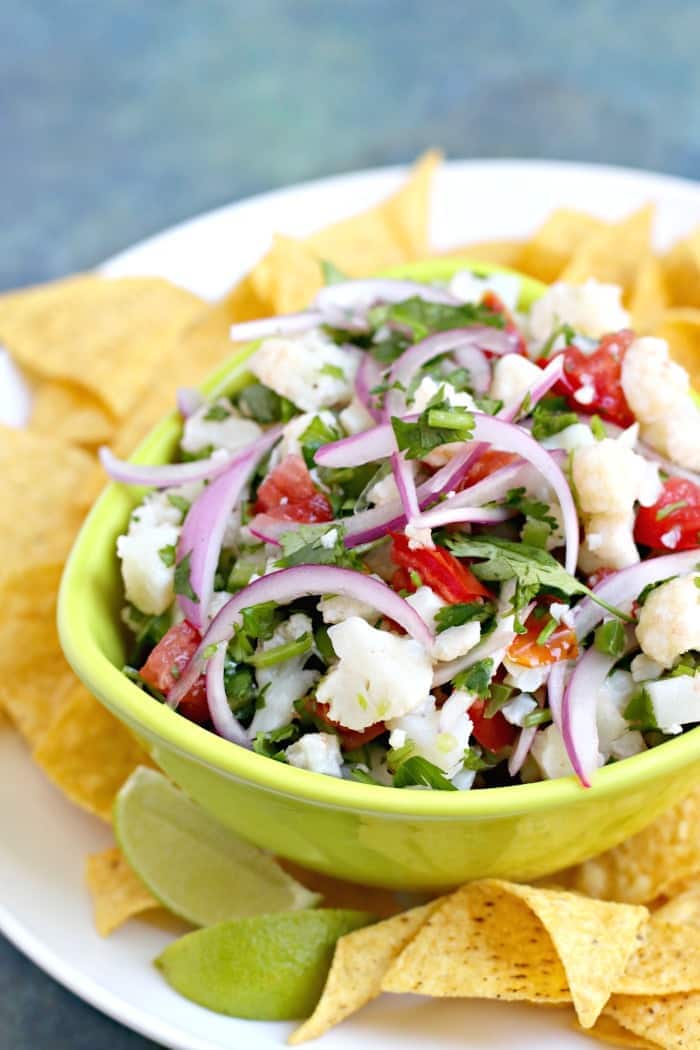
x=450 y=578
x=350 y=739
x=683 y=522
x=528 y=652
x=492 y=733
x=488 y=462
x=167 y=662
x=600 y=372
x=289 y=494
x=495 y=303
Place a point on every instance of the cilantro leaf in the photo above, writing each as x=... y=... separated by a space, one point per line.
x=217 y=413
x=476 y=679
x=550 y=416
x=167 y=555
x=316 y=545
x=463 y=612
x=419 y=771
x=317 y=433
x=263 y=405
x=640 y=712
x=272 y=743
x=421 y=317
x=439 y=424
x=183 y=584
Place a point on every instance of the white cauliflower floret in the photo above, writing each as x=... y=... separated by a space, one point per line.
x=378 y=676
x=290 y=442
x=218 y=425
x=677 y=436
x=517 y=709
x=669 y=620
x=285 y=682
x=550 y=754
x=652 y=383
x=513 y=376
x=440 y=736
x=428 y=388
x=528 y=679
x=311 y=371
x=383 y=492
x=355 y=418
x=319 y=752
x=456 y=641
x=608 y=477
x=643 y=668
x=578 y=435
x=591 y=308
x=336 y=607
x=675 y=701
x=612 y=698
x=609 y=543
x=148 y=579
x=470 y=288
x=427 y=604
x=419 y=537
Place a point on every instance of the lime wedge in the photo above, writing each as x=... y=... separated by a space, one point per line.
x=196 y=867
x=268 y=968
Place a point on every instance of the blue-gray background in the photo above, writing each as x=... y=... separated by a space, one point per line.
x=120 y=117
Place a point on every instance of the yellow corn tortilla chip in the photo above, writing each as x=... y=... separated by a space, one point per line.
x=288 y=276
x=103 y=334
x=503 y=253
x=45 y=489
x=551 y=247
x=360 y=961
x=118 y=894
x=34 y=676
x=500 y=940
x=649 y=296
x=67 y=412
x=666 y=961
x=337 y=893
x=682 y=270
x=87 y=753
x=680 y=326
x=668 y=1021
x=613 y=253
x=609 y=1031
x=647 y=865
x=684 y=907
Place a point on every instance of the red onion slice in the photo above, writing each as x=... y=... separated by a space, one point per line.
x=367 y=377
x=203 y=531
x=285 y=324
x=446 y=514
x=359 y=296
x=476 y=363
x=225 y=722
x=521 y=749
x=406 y=485
x=555 y=689
x=164 y=476
x=189 y=401
x=550 y=377
x=287 y=585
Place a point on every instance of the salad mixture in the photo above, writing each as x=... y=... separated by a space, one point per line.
x=434 y=541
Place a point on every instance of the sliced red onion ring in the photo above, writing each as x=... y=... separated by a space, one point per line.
x=285 y=324
x=188 y=401
x=446 y=514
x=521 y=749
x=578 y=711
x=550 y=377
x=354 y=296
x=225 y=722
x=203 y=531
x=555 y=689
x=406 y=484
x=367 y=377
x=165 y=475
x=268 y=529
x=288 y=585
x=621 y=589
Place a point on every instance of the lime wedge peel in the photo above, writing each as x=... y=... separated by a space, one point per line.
x=196 y=867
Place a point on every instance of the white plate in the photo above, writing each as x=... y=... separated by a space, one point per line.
x=44 y=907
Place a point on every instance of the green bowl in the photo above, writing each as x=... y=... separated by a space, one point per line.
x=382 y=836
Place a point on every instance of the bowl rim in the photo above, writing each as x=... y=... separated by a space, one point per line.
x=161 y=724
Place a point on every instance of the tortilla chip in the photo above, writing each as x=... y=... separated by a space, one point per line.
x=668 y=1021
x=337 y=893
x=649 y=296
x=684 y=907
x=647 y=865
x=681 y=327
x=87 y=753
x=550 y=249
x=395 y=231
x=118 y=894
x=360 y=961
x=682 y=270
x=500 y=940
x=34 y=676
x=667 y=961
x=45 y=489
x=67 y=412
x=503 y=253
x=609 y=1031
x=613 y=253
x=103 y=334
x=288 y=276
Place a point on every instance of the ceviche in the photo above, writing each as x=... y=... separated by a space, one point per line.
x=433 y=540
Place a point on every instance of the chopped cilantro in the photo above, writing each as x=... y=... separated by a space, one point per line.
x=217 y=413
x=272 y=743
x=477 y=759
x=323 y=644
x=419 y=771
x=610 y=638
x=334 y=371
x=179 y=502
x=421 y=317
x=317 y=433
x=183 y=584
x=489 y=405
x=476 y=679
x=463 y=612
x=500 y=695
x=598 y=428
x=550 y=416
x=439 y=424
x=263 y=405
x=362 y=776
x=640 y=712
x=563 y=329
x=167 y=555
x=547 y=631
x=316 y=545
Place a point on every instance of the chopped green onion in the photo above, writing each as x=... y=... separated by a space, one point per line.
x=610 y=638
x=537 y=718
